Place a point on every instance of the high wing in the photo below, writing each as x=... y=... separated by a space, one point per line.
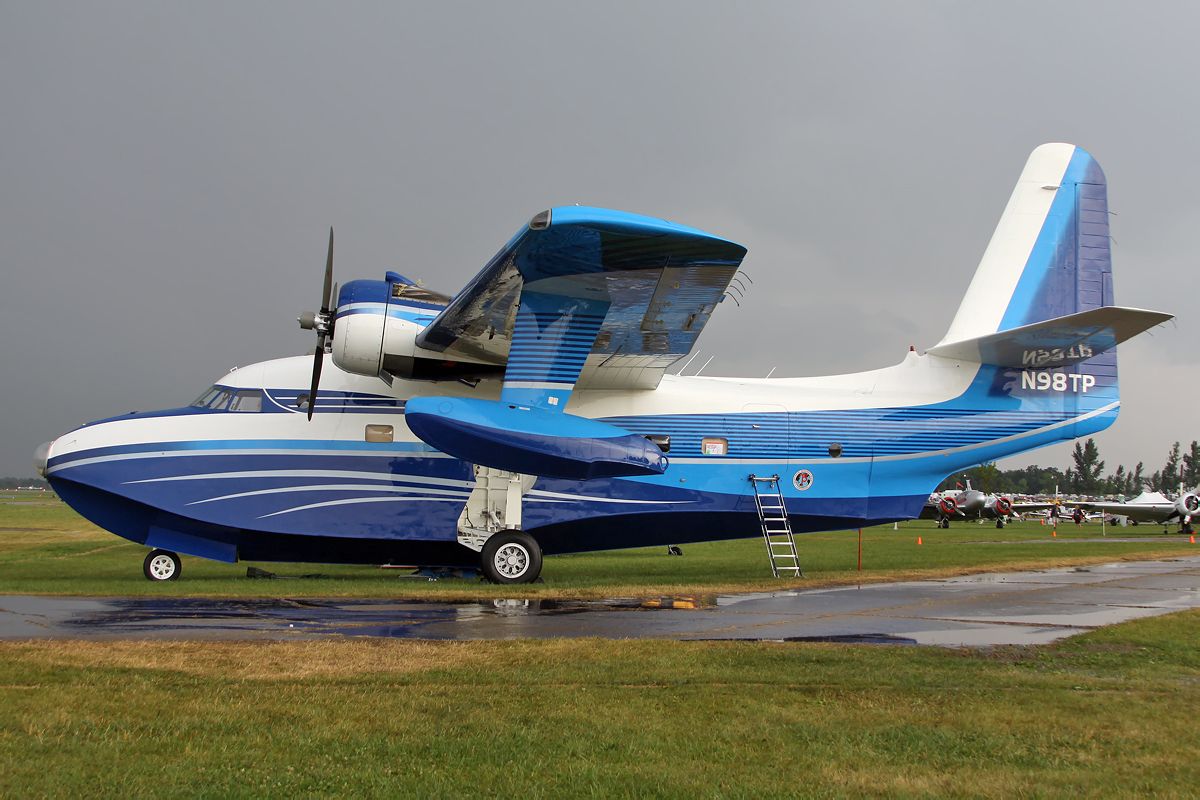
x=606 y=298
x=582 y=295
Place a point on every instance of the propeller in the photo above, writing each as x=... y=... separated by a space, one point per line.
x=322 y=322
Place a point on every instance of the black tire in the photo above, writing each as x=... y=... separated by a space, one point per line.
x=945 y=523
x=162 y=565
x=511 y=557
x=1000 y=524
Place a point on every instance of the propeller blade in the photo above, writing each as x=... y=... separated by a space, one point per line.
x=325 y=296
x=318 y=358
x=333 y=311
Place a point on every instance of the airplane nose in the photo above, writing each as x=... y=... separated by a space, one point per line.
x=40 y=456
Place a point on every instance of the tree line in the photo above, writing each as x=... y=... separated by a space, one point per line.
x=1087 y=476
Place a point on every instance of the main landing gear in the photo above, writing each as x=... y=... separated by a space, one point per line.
x=943 y=522
x=162 y=565
x=511 y=557
x=490 y=524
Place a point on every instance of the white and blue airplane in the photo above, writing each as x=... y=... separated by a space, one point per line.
x=532 y=414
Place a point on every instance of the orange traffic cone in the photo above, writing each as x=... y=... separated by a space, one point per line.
x=918 y=540
x=1054 y=533
x=1192 y=539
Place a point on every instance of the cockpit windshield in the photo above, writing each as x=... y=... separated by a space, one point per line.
x=218 y=398
x=213 y=397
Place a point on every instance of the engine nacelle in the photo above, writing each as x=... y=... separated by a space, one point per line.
x=367 y=329
x=376 y=324
x=1003 y=506
x=1188 y=506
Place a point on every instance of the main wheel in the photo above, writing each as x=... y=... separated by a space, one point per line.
x=511 y=557
x=162 y=565
x=1000 y=523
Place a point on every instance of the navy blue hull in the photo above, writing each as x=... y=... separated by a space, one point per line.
x=154 y=527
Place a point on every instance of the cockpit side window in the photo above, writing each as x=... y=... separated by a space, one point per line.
x=247 y=400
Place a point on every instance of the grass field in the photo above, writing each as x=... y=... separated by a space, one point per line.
x=46 y=548
x=1109 y=713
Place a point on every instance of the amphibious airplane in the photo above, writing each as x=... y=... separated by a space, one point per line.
x=1153 y=507
x=531 y=412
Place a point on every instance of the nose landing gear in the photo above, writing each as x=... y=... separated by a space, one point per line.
x=162 y=565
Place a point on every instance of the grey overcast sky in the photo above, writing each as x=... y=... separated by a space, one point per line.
x=169 y=170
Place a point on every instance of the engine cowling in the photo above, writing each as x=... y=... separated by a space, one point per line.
x=365 y=332
x=1188 y=505
x=947 y=506
x=1004 y=506
x=376 y=325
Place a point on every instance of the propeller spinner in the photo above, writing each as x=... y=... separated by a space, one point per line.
x=322 y=322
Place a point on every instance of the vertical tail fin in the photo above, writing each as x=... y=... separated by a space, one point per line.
x=1049 y=256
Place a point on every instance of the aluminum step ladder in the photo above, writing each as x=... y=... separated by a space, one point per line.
x=776 y=530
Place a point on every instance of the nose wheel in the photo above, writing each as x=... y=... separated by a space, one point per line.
x=162 y=565
x=511 y=557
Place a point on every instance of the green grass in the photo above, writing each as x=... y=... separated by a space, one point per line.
x=45 y=548
x=1109 y=713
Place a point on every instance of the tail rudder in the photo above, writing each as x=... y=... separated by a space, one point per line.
x=1049 y=255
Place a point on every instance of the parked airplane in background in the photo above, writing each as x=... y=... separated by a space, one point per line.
x=973 y=504
x=1155 y=508
x=531 y=414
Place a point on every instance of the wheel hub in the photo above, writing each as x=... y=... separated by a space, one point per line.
x=512 y=560
x=162 y=567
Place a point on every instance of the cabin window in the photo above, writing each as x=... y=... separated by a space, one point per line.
x=714 y=446
x=663 y=441
x=379 y=433
x=247 y=400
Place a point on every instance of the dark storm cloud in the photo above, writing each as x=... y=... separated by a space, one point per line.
x=168 y=172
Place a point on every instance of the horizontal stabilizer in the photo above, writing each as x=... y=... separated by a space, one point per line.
x=1056 y=342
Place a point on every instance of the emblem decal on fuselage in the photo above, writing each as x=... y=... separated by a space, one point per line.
x=803 y=480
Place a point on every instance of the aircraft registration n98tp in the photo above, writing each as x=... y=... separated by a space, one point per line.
x=531 y=413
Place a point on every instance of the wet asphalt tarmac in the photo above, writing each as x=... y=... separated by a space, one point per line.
x=977 y=610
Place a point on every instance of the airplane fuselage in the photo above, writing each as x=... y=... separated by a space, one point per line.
x=251 y=478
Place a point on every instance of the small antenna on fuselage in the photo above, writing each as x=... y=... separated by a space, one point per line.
x=685 y=364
